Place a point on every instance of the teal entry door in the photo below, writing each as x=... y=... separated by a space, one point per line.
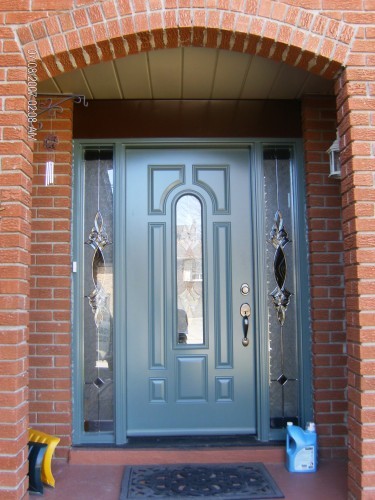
x=189 y=292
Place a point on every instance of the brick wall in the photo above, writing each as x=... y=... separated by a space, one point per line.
x=356 y=124
x=323 y=201
x=50 y=294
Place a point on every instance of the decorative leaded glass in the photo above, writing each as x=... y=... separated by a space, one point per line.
x=98 y=289
x=282 y=321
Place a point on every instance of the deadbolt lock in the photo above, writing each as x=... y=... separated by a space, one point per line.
x=245 y=310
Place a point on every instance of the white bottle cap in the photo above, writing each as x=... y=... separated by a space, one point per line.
x=289 y=423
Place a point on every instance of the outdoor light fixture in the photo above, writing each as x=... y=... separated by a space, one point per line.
x=334 y=159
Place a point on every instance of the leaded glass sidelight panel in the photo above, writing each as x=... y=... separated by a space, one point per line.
x=98 y=290
x=282 y=295
x=189 y=271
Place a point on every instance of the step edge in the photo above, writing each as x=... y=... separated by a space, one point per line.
x=108 y=456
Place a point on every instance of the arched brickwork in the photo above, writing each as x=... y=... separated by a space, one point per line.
x=109 y=30
x=321 y=36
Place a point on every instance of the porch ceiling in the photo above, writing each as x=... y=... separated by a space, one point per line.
x=189 y=73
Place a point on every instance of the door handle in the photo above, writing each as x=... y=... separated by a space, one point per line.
x=245 y=313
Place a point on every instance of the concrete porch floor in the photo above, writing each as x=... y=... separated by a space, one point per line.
x=103 y=482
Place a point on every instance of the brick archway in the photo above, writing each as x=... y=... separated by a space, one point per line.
x=101 y=32
x=320 y=42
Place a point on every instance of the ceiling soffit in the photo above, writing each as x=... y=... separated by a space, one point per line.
x=189 y=73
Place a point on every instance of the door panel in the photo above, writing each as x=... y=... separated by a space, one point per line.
x=187 y=370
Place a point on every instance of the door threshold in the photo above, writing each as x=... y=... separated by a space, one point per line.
x=186 y=442
x=193 y=442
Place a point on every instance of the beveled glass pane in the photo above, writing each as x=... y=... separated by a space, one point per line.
x=189 y=271
x=98 y=291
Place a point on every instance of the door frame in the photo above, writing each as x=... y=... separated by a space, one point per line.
x=119 y=436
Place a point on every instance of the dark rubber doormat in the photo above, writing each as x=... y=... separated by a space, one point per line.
x=211 y=481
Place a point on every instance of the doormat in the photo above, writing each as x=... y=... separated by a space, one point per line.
x=211 y=481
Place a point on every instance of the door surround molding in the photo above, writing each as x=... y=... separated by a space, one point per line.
x=119 y=436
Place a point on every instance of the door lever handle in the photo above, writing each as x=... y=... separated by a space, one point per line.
x=245 y=327
x=245 y=313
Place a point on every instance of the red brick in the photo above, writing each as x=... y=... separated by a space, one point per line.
x=124 y=7
x=51 y=4
x=109 y=9
x=66 y=21
x=95 y=14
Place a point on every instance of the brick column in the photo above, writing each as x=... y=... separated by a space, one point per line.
x=356 y=124
x=50 y=305
x=326 y=278
x=15 y=187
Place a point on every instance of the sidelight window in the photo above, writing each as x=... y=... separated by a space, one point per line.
x=282 y=292
x=98 y=290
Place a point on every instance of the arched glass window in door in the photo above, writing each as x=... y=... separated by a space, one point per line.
x=190 y=286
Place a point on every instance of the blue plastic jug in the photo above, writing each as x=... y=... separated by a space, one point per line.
x=301 y=448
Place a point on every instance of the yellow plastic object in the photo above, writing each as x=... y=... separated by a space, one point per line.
x=51 y=442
